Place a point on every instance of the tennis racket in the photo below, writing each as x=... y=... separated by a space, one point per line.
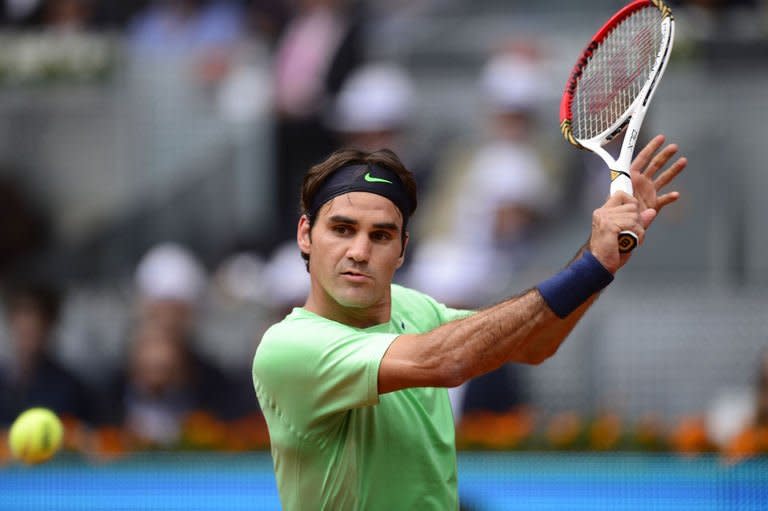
x=612 y=85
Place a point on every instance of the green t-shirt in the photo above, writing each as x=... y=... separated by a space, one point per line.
x=337 y=444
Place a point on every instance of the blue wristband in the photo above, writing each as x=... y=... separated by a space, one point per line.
x=567 y=290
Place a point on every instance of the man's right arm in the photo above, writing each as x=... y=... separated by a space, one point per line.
x=523 y=329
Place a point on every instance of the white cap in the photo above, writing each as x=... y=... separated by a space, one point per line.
x=170 y=272
x=375 y=97
x=512 y=83
x=286 y=277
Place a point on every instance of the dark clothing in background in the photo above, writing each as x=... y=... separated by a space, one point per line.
x=305 y=141
x=49 y=386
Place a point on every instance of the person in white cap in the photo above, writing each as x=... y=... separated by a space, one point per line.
x=494 y=199
x=170 y=283
x=170 y=287
x=374 y=110
x=502 y=196
x=373 y=107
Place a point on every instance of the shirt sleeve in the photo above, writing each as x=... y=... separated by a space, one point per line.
x=309 y=378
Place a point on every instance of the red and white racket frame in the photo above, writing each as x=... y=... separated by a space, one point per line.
x=632 y=118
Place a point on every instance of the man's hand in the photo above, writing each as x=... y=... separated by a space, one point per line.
x=620 y=212
x=645 y=181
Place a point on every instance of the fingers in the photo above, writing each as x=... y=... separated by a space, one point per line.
x=671 y=173
x=666 y=199
x=644 y=157
x=618 y=198
x=647 y=217
x=660 y=160
x=621 y=212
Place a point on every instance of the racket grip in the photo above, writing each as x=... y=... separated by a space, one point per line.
x=621 y=182
x=627 y=241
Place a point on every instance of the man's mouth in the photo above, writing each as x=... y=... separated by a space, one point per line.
x=355 y=274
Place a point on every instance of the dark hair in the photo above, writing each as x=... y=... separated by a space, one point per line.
x=317 y=175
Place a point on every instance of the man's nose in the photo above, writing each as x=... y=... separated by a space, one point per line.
x=360 y=249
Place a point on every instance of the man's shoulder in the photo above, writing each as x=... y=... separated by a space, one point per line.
x=300 y=319
x=416 y=308
x=299 y=337
x=407 y=294
x=299 y=327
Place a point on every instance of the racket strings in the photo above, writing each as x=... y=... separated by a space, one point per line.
x=616 y=72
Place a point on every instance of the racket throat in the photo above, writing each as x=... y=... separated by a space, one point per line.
x=616 y=174
x=621 y=182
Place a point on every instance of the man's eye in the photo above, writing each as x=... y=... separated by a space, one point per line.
x=381 y=236
x=341 y=229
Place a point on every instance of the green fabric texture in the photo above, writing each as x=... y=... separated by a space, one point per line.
x=336 y=444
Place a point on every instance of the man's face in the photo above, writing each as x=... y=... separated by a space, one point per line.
x=355 y=247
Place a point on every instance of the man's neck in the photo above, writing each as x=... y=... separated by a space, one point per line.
x=362 y=317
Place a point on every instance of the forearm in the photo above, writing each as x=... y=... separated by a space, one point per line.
x=523 y=329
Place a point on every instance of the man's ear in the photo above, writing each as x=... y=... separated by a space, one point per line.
x=303 y=234
x=401 y=260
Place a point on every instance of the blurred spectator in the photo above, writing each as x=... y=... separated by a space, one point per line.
x=736 y=415
x=267 y=18
x=373 y=111
x=61 y=15
x=731 y=411
x=489 y=204
x=186 y=27
x=24 y=232
x=496 y=201
x=205 y=32
x=722 y=20
x=171 y=284
x=33 y=377
x=321 y=45
x=160 y=387
x=22 y=13
x=373 y=107
x=286 y=280
x=68 y=15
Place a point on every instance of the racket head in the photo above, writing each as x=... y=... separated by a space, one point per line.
x=618 y=69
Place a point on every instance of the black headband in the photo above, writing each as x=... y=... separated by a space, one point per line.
x=363 y=178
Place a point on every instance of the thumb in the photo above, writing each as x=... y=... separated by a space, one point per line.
x=647 y=217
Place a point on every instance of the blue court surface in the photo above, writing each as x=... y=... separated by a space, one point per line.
x=487 y=482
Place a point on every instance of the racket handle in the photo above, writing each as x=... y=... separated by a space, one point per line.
x=627 y=241
x=621 y=182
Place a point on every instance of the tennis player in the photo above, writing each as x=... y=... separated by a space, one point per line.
x=353 y=384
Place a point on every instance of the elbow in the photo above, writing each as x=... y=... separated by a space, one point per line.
x=535 y=360
x=537 y=357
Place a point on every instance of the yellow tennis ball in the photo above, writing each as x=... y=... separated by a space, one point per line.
x=35 y=435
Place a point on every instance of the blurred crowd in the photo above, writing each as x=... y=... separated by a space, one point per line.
x=492 y=196
x=485 y=200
